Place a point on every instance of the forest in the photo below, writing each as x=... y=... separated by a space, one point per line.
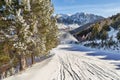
x=27 y=32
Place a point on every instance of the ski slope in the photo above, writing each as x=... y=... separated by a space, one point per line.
x=74 y=62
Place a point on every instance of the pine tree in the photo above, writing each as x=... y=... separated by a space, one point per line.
x=103 y=35
x=42 y=11
x=106 y=26
x=32 y=29
x=95 y=32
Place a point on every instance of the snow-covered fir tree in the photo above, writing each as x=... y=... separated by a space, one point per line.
x=27 y=30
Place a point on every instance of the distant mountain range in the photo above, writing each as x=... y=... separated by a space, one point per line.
x=77 y=18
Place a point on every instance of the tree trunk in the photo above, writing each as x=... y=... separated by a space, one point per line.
x=22 y=62
x=32 y=58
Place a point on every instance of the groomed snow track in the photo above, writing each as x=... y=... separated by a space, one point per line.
x=76 y=66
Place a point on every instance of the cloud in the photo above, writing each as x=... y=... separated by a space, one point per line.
x=101 y=9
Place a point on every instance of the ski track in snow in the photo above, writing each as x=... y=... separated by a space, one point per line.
x=80 y=67
x=70 y=65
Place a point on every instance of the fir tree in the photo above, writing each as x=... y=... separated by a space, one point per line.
x=32 y=29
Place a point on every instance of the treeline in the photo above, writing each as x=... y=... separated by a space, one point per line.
x=27 y=31
x=99 y=31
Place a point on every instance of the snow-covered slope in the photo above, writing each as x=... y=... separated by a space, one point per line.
x=111 y=44
x=113 y=33
x=74 y=62
x=107 y=37
x=67 y=38
x=68 y=27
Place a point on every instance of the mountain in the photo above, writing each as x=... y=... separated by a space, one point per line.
x=77 y=18
x=104 y=34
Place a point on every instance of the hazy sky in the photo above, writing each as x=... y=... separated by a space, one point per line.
x=100 y=7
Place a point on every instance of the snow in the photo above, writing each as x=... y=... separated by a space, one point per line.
x=74 y=21
x=77 y=18
x=112 y=49
x=65 y=16
x=74 y=26
x=66 y=26
x=61 y=26
x=74 y=62
x=67 y=38
x=112 y=33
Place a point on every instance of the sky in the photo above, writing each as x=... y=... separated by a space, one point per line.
x=104 y=8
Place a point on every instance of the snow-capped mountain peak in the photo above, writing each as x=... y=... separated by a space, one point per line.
x=78 y=18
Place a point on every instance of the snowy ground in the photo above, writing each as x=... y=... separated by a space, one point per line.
x=74 y=62
x=70 y=26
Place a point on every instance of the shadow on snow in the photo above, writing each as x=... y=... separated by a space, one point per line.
x=90 y=52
